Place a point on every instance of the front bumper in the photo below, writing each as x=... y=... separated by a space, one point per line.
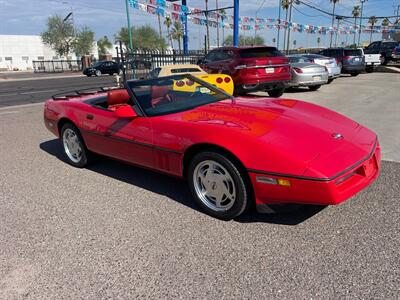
x=317 y=191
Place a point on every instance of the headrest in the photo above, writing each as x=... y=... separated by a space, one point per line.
x=120 y=96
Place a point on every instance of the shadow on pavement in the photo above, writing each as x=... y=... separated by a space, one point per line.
x=177 y=189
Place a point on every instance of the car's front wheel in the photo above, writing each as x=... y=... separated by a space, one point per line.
x=74 y=146
x=217 y=185
x=276 y=93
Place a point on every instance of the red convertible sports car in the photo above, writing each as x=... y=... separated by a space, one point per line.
x=233 y=151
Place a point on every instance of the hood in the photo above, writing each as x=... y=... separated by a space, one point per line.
x=295 y=133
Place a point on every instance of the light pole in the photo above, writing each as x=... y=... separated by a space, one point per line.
x=236 y=23
x=279 y=24
x=289 y=27
x=361 y=16
x=255 y=20
x=129 y=25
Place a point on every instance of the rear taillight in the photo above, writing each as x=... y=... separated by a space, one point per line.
x=346 y=57
x=227 y=79
x=298 y=70
x=189 y=82
x=219 y=80
x=180 y=83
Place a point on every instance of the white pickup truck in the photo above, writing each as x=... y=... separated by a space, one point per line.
x=371 y=61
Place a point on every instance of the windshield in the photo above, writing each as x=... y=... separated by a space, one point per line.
x=298 y=59
x=99 y=63
x=260 y=52
x=355 y=52
x=171 y=94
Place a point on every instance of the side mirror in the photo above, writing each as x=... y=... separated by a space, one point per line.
x=125 y=111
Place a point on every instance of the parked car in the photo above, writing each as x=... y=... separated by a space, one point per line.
x=175 y=70
x=306 y=73
x=350 y=61
x=334 y=70
x=384 y=48
x=235 y=152
x=259 y=68
x=371 y=61
x=102 y=67
x=221 y=81
x=396 y=54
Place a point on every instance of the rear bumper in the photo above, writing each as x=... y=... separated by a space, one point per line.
x=261 y=86
x=308 y=79
x=353 y=68
x=316 y=191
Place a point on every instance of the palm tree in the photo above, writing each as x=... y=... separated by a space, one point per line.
x=177 y=33
x=333 y=18
x=372 y=20
x=385 y=22
x=208 y=29
x=356 y=13
x=168 y=23
x=285 y=5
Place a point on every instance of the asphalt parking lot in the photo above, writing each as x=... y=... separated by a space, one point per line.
x=114 y=231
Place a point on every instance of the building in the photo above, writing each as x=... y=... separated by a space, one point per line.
x=17 y=52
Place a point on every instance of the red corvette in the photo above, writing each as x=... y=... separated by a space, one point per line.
x=232 y=151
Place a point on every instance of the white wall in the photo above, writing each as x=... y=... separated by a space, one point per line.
x=23 y=49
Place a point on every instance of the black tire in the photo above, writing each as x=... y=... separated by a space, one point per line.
x=314 y=87
x=241 y=198
x=384 y=60
x=330 y=80
x=369 y=69
x=85 y=156
x=276 y=93
x=354 y=74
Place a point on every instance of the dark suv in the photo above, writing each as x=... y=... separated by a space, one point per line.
x=102 y=67
x=252 y=68
x=384 y=48
x=351 y=61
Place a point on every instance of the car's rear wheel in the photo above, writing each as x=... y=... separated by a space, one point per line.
x=314 y=87
x=74 y=146
x=276 y=93
x=98 y=73
x=217 y=185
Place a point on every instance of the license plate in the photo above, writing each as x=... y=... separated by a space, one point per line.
x=317 y=78
x=269 y=70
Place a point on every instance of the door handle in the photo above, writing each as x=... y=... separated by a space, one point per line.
x=89 y=117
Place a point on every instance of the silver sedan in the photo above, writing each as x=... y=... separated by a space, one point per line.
x=307 y=74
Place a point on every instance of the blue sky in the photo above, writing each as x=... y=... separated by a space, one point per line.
x=105 y=17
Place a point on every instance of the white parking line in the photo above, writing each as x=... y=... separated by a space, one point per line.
x=37 y=92
x=21 y=106
x=9 y=112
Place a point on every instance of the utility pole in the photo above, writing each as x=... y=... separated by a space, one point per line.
x=279 y=24
x=255 y=21
x=333 y=22
x=186 y=32
x=288 y=34
x=129 y=25
x=338 y=18
x=361 y=16
x=216 y=6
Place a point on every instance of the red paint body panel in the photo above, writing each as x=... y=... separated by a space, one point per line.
x=275 y=138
